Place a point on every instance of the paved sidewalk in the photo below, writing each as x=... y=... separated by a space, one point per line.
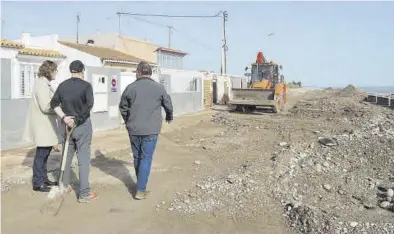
x=16 y=163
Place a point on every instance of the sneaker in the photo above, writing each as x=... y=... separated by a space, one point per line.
x=88 y=198
x=141 y=195
x=69 y=189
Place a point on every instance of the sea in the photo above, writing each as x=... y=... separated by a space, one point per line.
x=379 y=89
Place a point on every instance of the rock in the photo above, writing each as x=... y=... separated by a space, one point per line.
x=318 y=167
x=369 y=205
x=283 y=144
x=327 y=141
x=385 y=205
x=326 y=164
x=327 y=187
x=197 y=162
x=390 y=193
x=170 y=209
x=353 y=224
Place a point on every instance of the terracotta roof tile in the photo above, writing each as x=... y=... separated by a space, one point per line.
x=10 y=44
x=170 y=50
x=40 y=52
x=103 y=53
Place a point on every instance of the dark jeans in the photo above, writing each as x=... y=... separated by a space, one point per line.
x=40 y=165
x=143 y=148
x=80 y=143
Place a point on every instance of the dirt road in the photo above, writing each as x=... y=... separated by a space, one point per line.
x=214 y=176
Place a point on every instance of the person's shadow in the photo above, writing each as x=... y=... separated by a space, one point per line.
x=115 y=168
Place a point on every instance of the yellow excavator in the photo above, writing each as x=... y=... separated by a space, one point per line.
x=266 y=88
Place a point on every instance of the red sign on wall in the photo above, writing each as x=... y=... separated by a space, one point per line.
x=113 y=84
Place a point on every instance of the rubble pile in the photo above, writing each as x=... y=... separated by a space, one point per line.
x=232 y=192
x=350 y=91
x=332 y=184
x=333 y=104
x=224 y=119
x=335 y=175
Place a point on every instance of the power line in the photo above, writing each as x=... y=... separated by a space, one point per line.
x=150 y=22
x=222 y=14
x=175 y=30
x=170 y=16
x=193 y=40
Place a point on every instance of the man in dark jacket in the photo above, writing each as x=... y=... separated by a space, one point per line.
x=72 y=102
x=140 y=107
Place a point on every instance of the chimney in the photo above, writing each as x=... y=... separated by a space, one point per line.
x=25 y=39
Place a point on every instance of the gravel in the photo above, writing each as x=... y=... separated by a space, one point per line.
x=325 y=179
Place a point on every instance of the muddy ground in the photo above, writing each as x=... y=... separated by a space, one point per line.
x=323 y=166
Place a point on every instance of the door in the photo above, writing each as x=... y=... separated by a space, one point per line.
x=126 y=78
x=214 y=92
x=100 y=92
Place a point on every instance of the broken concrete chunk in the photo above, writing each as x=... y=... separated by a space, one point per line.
x=283 y=144
x=327 y=141
x=327 y=187
x=385 y=205
x=390 y=193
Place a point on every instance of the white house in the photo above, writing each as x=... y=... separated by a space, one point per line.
x=19 y=68
x=24 y=63
x=164 y=57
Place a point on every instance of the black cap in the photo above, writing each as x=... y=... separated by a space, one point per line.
x=77 y=66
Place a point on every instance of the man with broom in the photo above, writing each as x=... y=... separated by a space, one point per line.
x=72 y=102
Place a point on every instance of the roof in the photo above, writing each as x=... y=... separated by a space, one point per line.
x=170 y=50
x=10 y=44
x=103 y=53
x=143 y=49
x=40 y=52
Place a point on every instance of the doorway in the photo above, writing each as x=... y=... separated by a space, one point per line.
x=214 y=92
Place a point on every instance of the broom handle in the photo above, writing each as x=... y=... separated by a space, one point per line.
x=65 y=152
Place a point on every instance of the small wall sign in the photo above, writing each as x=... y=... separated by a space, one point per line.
x=113 y=84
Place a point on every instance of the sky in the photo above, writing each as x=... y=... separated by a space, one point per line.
x=318 y=43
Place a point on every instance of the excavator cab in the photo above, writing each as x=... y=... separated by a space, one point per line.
x=264 y=74
x=266 y=87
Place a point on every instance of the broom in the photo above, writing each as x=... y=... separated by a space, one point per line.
x=59 y=190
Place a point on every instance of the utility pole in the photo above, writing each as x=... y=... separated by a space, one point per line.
x=169 y=35
x=2 y=29
x=224 y=44
x=120 y=22
x=78 y=20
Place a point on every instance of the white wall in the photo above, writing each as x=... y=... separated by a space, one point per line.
x=74 y=54
x=181 y=79
x=50 y=42
x=9 y=53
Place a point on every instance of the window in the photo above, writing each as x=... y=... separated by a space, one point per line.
x=170 y=61
x=28 y=73
x=193 y=85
